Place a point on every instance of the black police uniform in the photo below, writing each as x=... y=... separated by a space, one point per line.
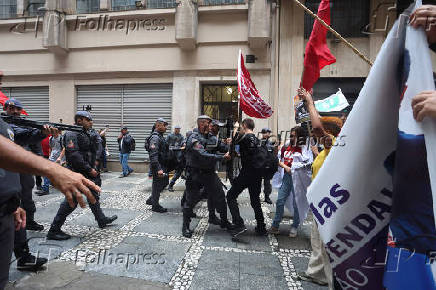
x=158 y=152
x=249 y=178
x=214 y=145
x=10 y=189
x=25 y=137
x=267 y=188
x=175 y=142
x=200 y=172
x=10 y=192
x=81 y=149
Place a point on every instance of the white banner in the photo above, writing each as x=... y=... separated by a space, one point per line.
x=335 y=103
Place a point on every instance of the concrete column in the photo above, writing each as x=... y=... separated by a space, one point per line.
x=291 y=56
x=186 y=100
x=259 y=23
x=105 y=5
x=186 y=24
x=55 y=32
x=62 y=101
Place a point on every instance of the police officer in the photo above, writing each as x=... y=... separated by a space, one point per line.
x=158 y=152
x=200 y=172
x=11 y=197
x=25 y=137
x=176 y=143
x=267 y=188
x=81 y=149
x=249 y=178
x=214 y=145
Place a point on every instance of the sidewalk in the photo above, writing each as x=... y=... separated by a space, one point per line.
x=145 y=250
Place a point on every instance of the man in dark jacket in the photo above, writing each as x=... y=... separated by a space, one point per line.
x=267 y=188
x=176 y=143
x=125 y=145
x=249 y=177
x=158 y=152
x=81 y=150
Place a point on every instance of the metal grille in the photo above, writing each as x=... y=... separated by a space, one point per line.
x=8 y=9
x=135 y=106
x=88 y=6
x=35 y=101
x=219 y=2
x=155 y=4
x=347 y=17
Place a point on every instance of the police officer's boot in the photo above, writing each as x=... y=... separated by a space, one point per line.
x=31 y=225
x=186 y=232
x=101 y=219
x=26 y=261
x=55 y=233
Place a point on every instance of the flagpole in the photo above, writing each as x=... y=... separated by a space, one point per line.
x=346 y=42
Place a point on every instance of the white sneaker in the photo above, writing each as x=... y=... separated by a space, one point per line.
x=293 y=232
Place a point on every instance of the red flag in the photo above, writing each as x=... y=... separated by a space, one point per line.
x=317 y=53
x=3 y=99
x=249 y=99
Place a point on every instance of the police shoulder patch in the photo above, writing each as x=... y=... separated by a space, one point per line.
x=11 y=134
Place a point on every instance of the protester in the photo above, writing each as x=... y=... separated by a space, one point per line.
x=296 y=159
x=267 y=188
x=40 y=149
x=126 y=144
x=249 y=177
x=319 y=270
x=55 y=150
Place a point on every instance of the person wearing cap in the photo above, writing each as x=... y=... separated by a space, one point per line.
x=125 y=145
x=214 y=145
x=267 y=188
x=158 y=152
x=200 y=172
x=176 y=143
x=25 y=137
x=81 y=150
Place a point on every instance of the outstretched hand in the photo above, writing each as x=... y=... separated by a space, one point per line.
x=73 y=184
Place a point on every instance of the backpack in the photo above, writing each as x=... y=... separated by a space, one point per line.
x=132 y=144
x=147 y=142
x=266 y=161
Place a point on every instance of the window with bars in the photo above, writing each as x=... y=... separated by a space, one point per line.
x=33 y=6
x=347 y=17
x=8 y=9
x=88 y=6
x=118 y=5
x=220 y=101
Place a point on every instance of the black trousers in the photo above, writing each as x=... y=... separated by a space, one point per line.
x=267 y=188
x=27 y=203
x=176 y=176
x=65 y=209
x=247 y=178
x=197 y=179
x=157 y=187
x=7 y=244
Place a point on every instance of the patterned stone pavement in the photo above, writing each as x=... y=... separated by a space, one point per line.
x=145 y=250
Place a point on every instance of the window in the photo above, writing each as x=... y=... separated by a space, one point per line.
x=220 y=2
x=347 y=17
x=33 y=6
x=150 y=4
x=8 y=9
x=220 y=101
x=88 y=6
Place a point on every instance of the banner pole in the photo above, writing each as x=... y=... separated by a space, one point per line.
x=346 y=42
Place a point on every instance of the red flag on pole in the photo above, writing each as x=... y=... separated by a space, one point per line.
x=3 y=99
x=317 y=54
x=249 y=99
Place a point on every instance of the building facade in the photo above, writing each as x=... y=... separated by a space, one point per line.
x=133 y=61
